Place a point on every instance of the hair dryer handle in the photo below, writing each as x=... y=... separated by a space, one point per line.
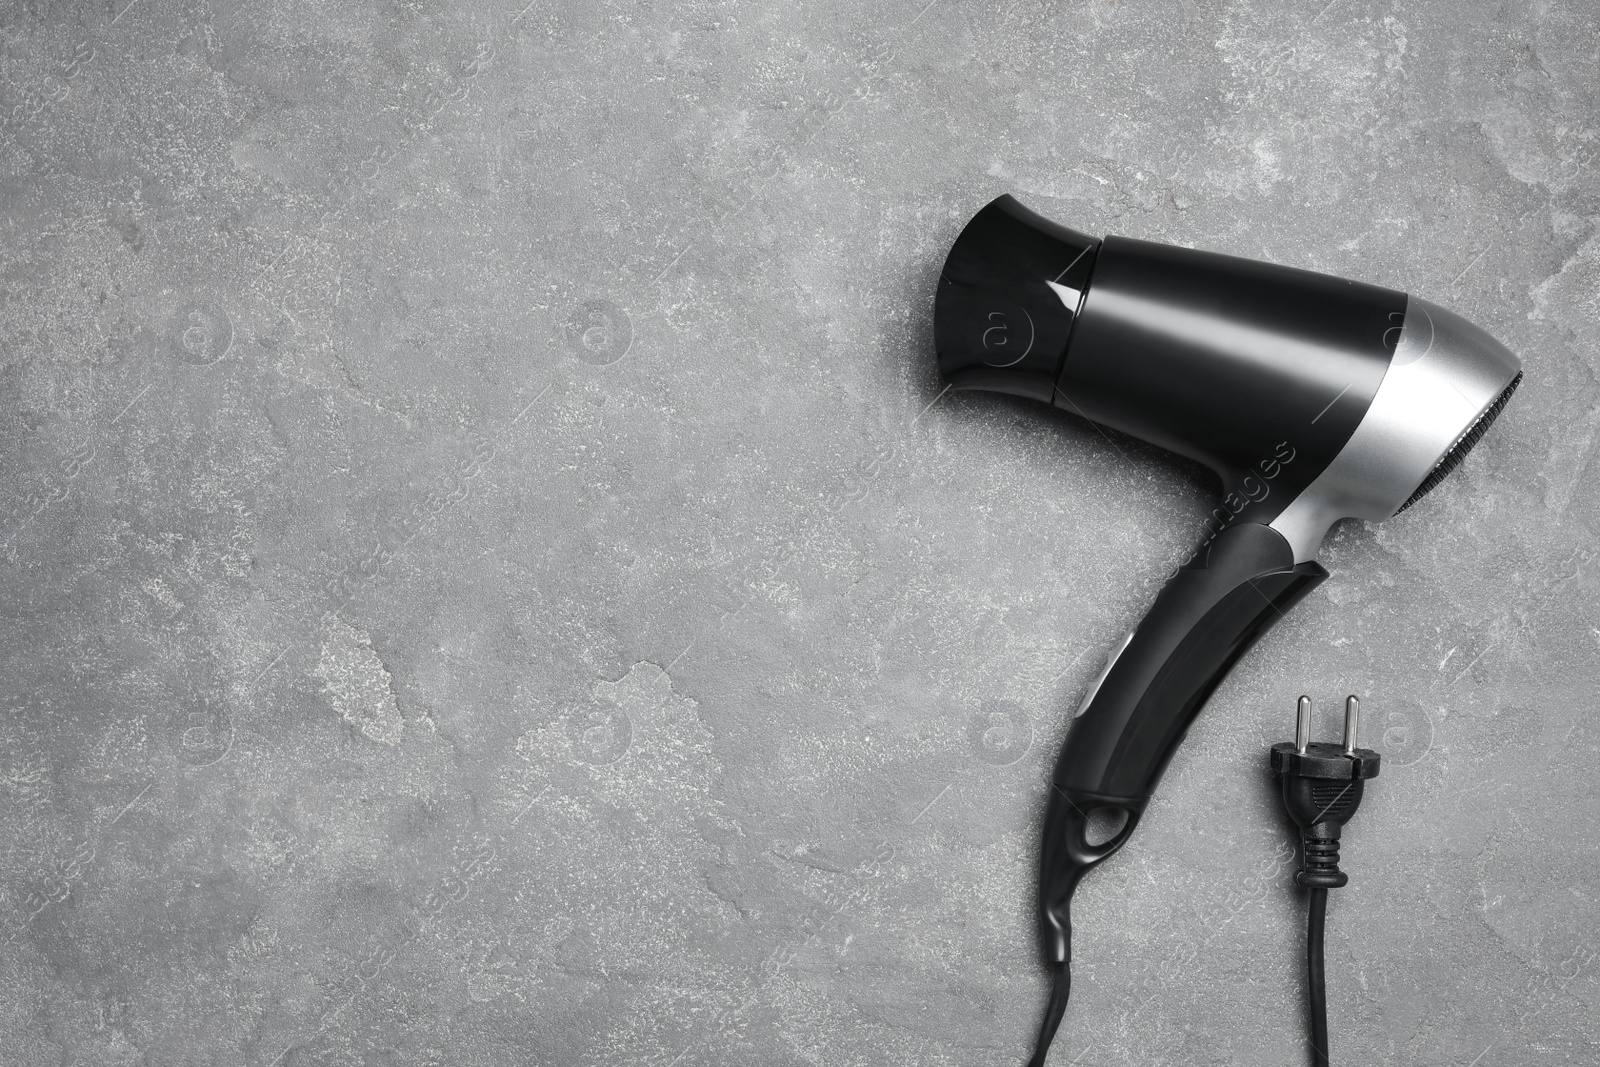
x=1131 y=722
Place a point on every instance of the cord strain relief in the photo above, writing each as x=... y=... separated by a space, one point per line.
x=1321 y=867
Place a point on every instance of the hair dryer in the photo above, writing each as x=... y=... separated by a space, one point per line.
x=1312 y=397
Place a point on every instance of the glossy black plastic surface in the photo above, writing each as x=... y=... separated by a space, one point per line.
x=1229 y=361
x=1066 y=855
x=1007 y=300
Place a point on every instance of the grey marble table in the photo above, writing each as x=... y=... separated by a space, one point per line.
x=489 y=575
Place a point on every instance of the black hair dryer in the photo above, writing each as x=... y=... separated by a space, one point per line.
x=1312 y=397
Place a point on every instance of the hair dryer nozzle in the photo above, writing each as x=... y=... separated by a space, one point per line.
x=1447 y=383
x=1010 y=292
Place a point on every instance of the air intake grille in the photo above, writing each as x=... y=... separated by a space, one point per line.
x=1458 y=451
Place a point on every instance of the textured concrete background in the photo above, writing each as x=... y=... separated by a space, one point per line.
x=486 y=577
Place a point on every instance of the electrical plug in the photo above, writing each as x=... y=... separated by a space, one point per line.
x=1322 y=787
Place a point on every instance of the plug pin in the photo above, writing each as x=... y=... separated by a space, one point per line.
x=1352 y=721
x=1302 y=725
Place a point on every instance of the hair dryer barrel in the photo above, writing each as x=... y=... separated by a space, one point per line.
x=1238 y=364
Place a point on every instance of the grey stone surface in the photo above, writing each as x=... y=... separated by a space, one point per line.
x=488 y=576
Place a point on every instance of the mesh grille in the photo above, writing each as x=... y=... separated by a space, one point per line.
x=1458 y=451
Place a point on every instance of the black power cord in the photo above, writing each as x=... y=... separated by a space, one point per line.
x=1322 y=788
x=1060 y=989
